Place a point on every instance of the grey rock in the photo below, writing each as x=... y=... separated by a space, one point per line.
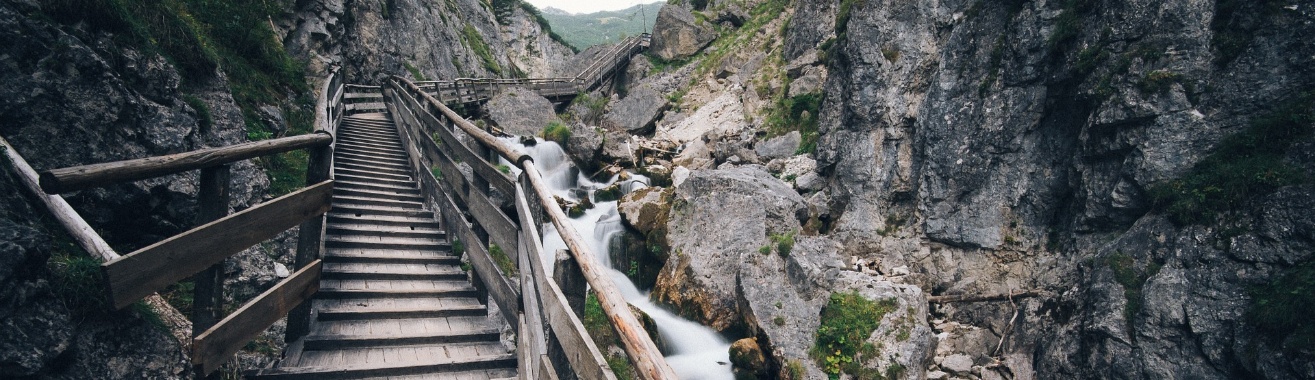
x=585 y=146
x=958 y=364
x=638 y=111
x=780 y=146
x=746 y=204
x=519 y=111
x=677 y=35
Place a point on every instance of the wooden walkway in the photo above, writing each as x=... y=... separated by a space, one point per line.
x=394 y=301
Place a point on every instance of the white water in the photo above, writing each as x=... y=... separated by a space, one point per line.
x=694 y=351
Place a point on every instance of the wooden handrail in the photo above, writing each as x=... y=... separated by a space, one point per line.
x=58 y=181
x=89 y=240
x=214 y=346
x=643 y=352
x=154 y=267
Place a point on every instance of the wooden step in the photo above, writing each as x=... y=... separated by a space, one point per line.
x=326 y=342
x=383 y=285
x=391 y=258
x=373 y=181
x=369 y=144
x=375 y=242
x=377 y=231
x=378 y=313
x=360 y=95
x=371 y=152
x=360 y=210
x=435 y=366
x=370 y=133
x=372 y=168
x=393 y=165
x=340 y=154
x=373 y=174
x=467 y=292
x=382 y=220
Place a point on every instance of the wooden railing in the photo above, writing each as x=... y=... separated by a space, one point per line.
x=199 y=252
x=551 y=336
x=475 y=90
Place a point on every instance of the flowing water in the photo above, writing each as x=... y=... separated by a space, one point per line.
x=694 y=351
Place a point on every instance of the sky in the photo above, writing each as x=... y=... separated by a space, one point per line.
x=588 y=6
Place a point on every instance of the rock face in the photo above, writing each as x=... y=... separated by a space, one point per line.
x=745 y=205
x=677 y=34
x=990 y=147
x=440 y=40
x=519 y=111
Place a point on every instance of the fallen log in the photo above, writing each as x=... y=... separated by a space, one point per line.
x=981 y=298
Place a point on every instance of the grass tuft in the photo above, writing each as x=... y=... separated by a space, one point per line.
x=848 y=319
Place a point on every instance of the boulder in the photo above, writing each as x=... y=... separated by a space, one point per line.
x=958 y=364
x=677 y=34
x=780 y=146
x=723 y=216
x=584 y=146
x=646 y=209
x=747 y=359
x=638 y=111
x=519 y=111
x=721 y=117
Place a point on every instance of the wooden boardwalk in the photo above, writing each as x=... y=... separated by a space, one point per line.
x=394 y=301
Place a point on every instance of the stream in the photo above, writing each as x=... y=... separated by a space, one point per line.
x=694 y=351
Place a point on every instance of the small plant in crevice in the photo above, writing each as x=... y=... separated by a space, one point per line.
x=1132 y=276
x=847 y=320
x=458 y=248
x=784 y=243
x=1158 y=82
x=504 y=262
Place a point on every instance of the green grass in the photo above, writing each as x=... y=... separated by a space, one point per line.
x=415 y=73
x=600 y=329
x=1158 y=82
x=1069 y=24
x=784 y=243
x=504 y=262
x=472 y=39
x=1280 y=309
x=556 y=132
x=458 y=248
x=1243 y=166
x=846 y=11
x=848 y=319
x=1133 y=278
x=797 y=113
x=75 y=278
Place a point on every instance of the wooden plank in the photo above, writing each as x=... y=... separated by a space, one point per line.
x=208 y=292
x=213 y=347
x=459 y=151
x=150 y=269
x=64 y=180
x=546 y=371
x=649 y=363
x=586 y=360
x=532 y=315
x=502 y=231
x=87 y=238
x=470 y=129
x=502 y=292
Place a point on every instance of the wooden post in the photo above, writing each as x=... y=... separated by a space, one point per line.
x=566 y=272
x=208 y=291
x=310 y=241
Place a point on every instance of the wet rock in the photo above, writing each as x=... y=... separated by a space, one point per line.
x=650 y=326
x=519 y=111
x=678 y=35
x=748 y=359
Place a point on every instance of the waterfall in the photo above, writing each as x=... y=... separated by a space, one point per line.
x=694 y=351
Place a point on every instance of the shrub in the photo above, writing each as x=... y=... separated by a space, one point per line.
x=1280 y=308
x=784 y=243
x=1243 y=166
x=848 y=319
x=557 y=132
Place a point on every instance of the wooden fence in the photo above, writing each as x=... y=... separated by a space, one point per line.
x=532 y=302
x=199 y=252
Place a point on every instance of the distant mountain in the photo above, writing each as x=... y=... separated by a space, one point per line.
x=585 y=30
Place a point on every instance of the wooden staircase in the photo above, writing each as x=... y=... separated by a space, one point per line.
x=394 y=301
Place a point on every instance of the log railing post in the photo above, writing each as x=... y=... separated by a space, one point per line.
x=310 y=240
x=208 y=291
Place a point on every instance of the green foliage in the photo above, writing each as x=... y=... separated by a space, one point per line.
x=993 y=66
x=784 y=243
x=795 y=370
x=779 y=320
x=1133 y=277
x=1244 y=165
x=76 y=278
x=847 y=11
x=504 y=262
x=415 y=73
x=458 y=247
x=204 y=119
x=890 y=53
x=1281 y=309
x=797 y=113
x=1158 y=82
x=766 y=249
x=180 y=296
x=594 y=107
x=893 y=224
x=473 y=40
x=1069 y=23
x=600 y=329
x=1235 y=23
x=504 y=169
x=438 y=173
x=556 y=132
x=848 y=319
